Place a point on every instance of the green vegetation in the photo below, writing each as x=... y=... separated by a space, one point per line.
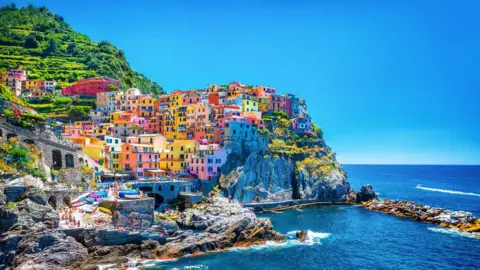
x=316 y=166
x=50 y=106
x=24 y=160
x=11 y=205
x=45 y=45
x=7 y=95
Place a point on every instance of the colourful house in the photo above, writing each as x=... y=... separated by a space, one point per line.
x=197 y=115
x=302 y=125
x=206 y=163
x=157 y=141
x=95 y=150
x=137 y=159
x=175 y=159
x=113 y=153
x=89 y=87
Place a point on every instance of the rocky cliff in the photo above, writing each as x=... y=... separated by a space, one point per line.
x=287 y=166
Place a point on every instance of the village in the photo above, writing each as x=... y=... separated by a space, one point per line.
x=156 y=149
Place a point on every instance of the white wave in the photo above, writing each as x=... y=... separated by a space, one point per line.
x=453 y=231
x=313 y=239
x=200 y=266
x=448 y=191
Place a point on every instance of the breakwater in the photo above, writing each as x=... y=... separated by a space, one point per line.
x=461 y=220
x=288 y=204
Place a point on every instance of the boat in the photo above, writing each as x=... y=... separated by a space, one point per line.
x=105 y=210
x=419 y=186
x=132 y=196
x=90 y=200
x=79 y=203
x=124 y=192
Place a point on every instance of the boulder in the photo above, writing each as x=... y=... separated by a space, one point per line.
x=366 y=194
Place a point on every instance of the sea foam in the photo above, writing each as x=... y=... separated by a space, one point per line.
x=314 y=239
x=453 y=231
x=449 y=191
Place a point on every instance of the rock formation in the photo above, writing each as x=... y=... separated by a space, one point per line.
x=463 y=221
x=284 y=169
x=27 y=239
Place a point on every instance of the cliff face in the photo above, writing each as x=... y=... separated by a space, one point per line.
x=284 y=168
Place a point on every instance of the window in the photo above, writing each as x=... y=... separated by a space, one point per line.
x=172 y=187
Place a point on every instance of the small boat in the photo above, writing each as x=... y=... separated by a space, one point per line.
x=105 y=210
x=90 y=200
x=419 y=186
x=132 y=196
x=79 y=203
x=124 y=192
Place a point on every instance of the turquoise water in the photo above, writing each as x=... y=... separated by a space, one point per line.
x=350 y=237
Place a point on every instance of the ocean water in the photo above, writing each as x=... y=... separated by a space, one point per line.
x=350 y=237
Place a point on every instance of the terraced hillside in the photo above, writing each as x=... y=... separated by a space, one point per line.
x=45 y=45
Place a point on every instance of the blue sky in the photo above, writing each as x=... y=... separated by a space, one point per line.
x=388 y=81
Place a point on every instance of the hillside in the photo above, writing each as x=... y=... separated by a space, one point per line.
x=45 y=45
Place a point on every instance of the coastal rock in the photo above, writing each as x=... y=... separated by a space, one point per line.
x=366 y=194
x=48 y=250
x=225 y=223
x=463 y=221
x=27 y=241
x=332 y=187
x=264 y=177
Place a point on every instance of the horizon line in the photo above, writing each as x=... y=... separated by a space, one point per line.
x=406 y=164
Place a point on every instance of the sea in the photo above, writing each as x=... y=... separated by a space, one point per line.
x=350 y=237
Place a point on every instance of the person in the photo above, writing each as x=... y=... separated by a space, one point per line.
x=229 y=198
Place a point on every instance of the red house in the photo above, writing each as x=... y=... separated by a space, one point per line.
x=89 y=87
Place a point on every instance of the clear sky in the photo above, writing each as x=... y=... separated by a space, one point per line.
x=388 y=81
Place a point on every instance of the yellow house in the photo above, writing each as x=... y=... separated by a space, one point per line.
x=169 y=123
x=181 y=123
x=175 y=158
x=31 y=84
x=95 y=150
x=249 y=105
x=176 y=100
x=101 y=129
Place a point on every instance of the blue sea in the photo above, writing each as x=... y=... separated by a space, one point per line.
x=350 y=237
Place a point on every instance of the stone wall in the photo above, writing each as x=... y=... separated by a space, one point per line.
x=56 y=154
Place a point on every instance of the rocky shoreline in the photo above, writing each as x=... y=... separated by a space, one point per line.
x=460 y=220
x=31 y=239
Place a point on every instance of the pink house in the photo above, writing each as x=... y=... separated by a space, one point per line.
x=89 y=87
x=254 y=118
x=302 y=125
x=207 y=162
x=193 y=98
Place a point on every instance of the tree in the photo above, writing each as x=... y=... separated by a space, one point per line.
x=52 y=46
x=77 y=112
x=112 y=87
x=72 y=48
x=31 y=42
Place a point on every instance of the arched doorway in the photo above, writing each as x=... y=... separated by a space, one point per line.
x=67 y=200
x=53 y=201
x=69 y=163
x=158 y=199
x=29 y=141
x=11 y=135
x=80 y=160
x=56 y=159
